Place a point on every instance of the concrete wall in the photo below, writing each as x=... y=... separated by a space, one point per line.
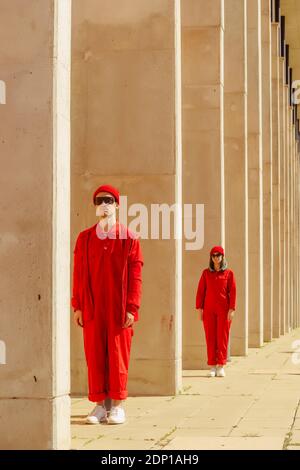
x=255 y=175
x=203 y=151
x=236 y=164
x=34 y=245
x=126 y=132
x=267 y=143
x=127 y=62
x=276 y=157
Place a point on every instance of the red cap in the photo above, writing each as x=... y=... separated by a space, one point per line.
x=217 y=249
x=106 y=188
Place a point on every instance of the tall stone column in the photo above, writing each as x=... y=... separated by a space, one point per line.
x=126 y=118
x=298 y=230
x=290 y=280
x=291 y=11
x=203 y=151
x=292 y=220
x=298 y=238
x=267 y=167
x=287 y=215
x=35 y=216
x=291 y=313
x=255 y=175
x=296 y=235
x=236 y=165
x=282 y=115
x=293 y=224
x=276 y=177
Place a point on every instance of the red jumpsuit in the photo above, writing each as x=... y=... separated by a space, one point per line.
x=216 y=294
x=107 y=285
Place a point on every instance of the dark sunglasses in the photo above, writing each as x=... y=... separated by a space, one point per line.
x=216 y=255
x=105 y=199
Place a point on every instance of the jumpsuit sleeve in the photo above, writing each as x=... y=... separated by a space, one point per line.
x=232 y=291
x=134 y=288
x=200 y=297
x=77 y=272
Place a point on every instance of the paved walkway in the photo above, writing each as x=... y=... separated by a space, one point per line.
x=256 y=406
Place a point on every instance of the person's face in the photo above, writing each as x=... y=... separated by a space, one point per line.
x=217 y=258
x=105 y=205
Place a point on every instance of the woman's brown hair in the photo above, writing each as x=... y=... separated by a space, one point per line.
x=223 y=264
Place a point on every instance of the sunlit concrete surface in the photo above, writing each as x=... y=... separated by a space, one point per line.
x=256 y=406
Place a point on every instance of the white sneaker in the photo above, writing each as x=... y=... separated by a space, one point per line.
x=212 y=372
x=116 y=415
x=98 y=415
x=220 y=372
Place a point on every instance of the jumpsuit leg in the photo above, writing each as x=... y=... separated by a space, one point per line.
x=223 y=327
x=95 y=352
x=119 y=345
x=210 y=328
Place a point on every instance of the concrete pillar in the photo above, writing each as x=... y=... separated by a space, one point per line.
x=298 y=229
x=282 y=106
x=291 y=294
x=35 y=130
x=203 y=151
x=255 y=169
x=126 y=131
x=276 y=178
x=296 y=234
x=295 y=231
x=287 y=215
x=292 y=14
x=290 y=289
x=236 y=167
x=267 y=167
x=293 y=223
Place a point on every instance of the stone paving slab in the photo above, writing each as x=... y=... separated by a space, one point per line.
x=121 y=444
x=295 y=438
x=297 y=424
x=256 y=406
x=252 y=430
x=225 y=443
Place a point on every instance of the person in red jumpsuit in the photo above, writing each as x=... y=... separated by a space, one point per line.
x=216 y=300
x=106 y=299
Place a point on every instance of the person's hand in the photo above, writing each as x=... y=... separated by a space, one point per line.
x=78 y=318
x=201 y=314
x=129 y=320
x=230 y=314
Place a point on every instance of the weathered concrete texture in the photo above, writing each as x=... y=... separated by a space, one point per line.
x=240 y=159
x=256 y=406
x=255 y=172
x=266 y=41
x=276 y=156
x=235 y=163
x=203 y=150
x=35 y=133
x=126 y=132
x=236 y=126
